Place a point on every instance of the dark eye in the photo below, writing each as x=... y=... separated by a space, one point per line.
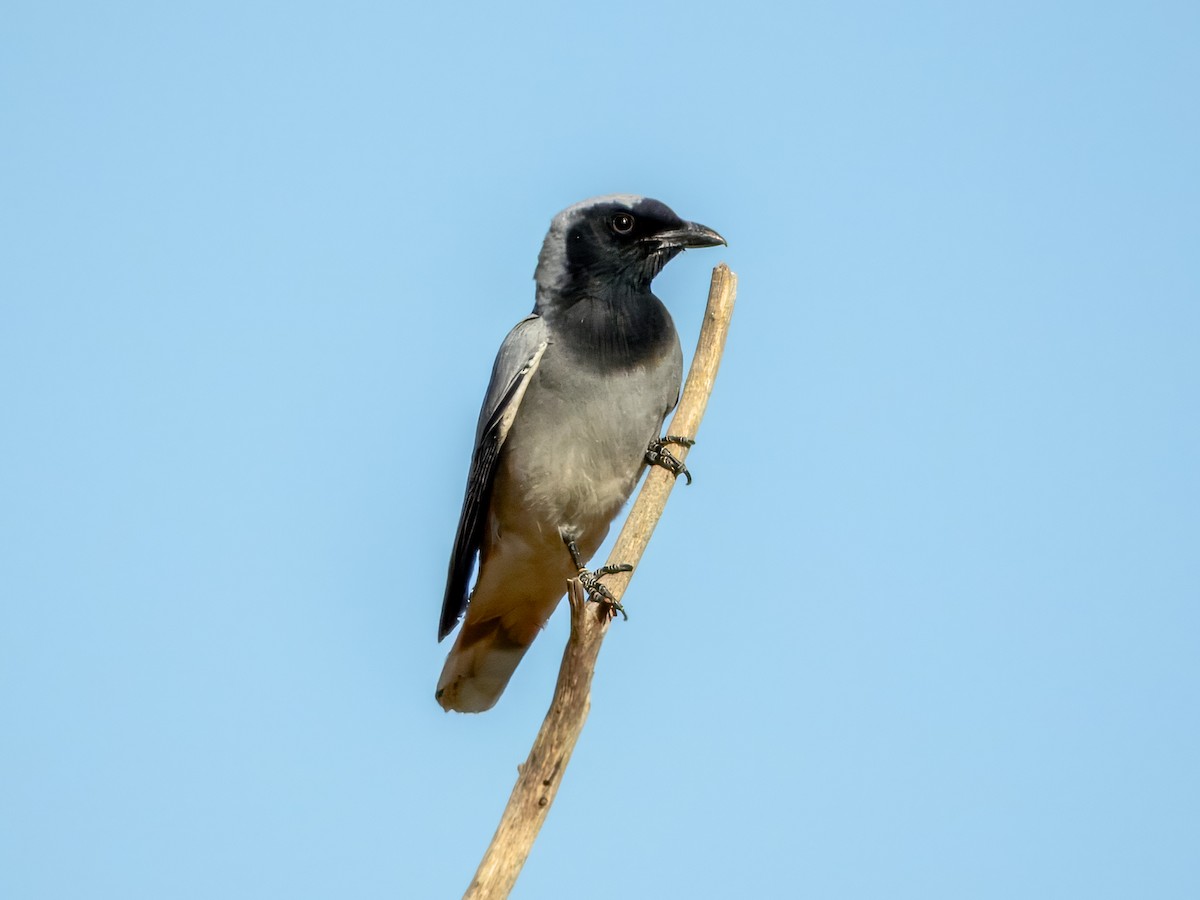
x=622 y=223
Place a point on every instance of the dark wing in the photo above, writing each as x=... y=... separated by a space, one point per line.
x=515 y=364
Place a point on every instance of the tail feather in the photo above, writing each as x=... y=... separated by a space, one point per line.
x=478 y=668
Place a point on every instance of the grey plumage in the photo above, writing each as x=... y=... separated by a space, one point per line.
x=578 y=390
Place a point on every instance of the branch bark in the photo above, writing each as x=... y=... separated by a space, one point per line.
x=540 y=776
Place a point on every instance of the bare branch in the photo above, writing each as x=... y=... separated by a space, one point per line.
x=539 y=778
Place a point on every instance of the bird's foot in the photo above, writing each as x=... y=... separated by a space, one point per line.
x=657 y=454
x=597 y=592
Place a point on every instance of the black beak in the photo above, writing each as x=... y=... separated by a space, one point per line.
x=690 y=234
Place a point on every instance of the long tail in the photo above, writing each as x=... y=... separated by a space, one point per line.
x=479 y=666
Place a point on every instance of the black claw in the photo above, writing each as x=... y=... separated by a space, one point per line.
x=657 y=454
x=597 y=592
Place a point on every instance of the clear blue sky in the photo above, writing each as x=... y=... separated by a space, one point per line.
x=927 y=625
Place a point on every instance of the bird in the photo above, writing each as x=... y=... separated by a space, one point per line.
x=572 y=415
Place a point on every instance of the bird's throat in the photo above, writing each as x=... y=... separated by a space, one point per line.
x=616 y=330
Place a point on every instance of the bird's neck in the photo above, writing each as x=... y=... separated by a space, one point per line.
x=612 y=329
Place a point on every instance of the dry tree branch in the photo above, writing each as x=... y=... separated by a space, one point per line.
x=539 y=778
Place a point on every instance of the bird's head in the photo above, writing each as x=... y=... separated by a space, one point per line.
x=614 y=243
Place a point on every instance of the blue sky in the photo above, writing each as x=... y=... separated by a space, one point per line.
x=926 y=624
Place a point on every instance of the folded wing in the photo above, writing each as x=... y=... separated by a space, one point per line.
x=515 y=366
